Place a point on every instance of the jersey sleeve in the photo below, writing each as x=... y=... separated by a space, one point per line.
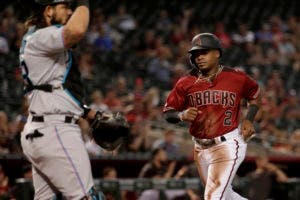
x=251 y=88
x=176 y=98
x=48 y=40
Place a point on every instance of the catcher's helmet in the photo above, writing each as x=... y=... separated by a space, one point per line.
x=205 y=41
x=49 y=2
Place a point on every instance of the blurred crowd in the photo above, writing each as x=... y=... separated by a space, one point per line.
x=132 y=56
x=129 y=62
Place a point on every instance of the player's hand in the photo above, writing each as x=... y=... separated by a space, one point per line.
x=189 y=114
x=247 y=129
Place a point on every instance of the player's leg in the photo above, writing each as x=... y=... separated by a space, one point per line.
x=60 y=155
x=71 y=172
x=201 y=163
x=225 y=159
x=45 y=190
x=232 y=195
x=42 y=186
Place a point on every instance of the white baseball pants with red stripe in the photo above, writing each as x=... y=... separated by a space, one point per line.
x=217 y=166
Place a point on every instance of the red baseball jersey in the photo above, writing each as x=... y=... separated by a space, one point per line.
x=218 y=100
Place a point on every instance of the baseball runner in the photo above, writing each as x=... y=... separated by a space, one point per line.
x=209 y=98
x=51 y=139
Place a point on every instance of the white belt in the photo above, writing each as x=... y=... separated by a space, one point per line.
x=206 y=143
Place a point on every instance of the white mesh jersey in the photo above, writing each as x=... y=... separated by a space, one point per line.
x=46 y=61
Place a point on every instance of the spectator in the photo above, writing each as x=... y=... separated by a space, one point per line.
x=112 y=101
x=137 y=142
x=86 y=66
x=177 y=35
x=160 y=167
x=221 y=33
x=264 y=35
x=179 y=70
x=185 y=20
x=159 y=68
x=5 y=185
x=4 y=129
x=277 y=29
x=98 y=102
x=4 y=133
x=243 y=35
x=139 y=88
x=19 y=32
x=24 y=188
x=262 y=178
x=4 y=48
x=146 y=44
x=294 y=140
x=100 y=22
x=110 y=173
x=103 y=42
x=163 y=22
x=167 y=143
x=291 y=111
x=286 y=49
x=122 y=90
x=151 y=103
x=124 y=21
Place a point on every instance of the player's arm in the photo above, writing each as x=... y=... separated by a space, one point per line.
x=173 y=116
x=247 y=127
x=253 y=108
x=176 y=103
x=252 y=93
x=77 y=25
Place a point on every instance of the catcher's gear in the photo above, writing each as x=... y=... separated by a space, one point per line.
x=49 y=2
x=204 y=41
x=109 y=132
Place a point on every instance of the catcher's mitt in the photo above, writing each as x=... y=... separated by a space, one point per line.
x=109 y=132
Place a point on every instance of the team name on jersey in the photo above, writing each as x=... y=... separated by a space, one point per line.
x=212 y=97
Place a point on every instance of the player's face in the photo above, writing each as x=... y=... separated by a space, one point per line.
x=206 y=60
x=61 y=13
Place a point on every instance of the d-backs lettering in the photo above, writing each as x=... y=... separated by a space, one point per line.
x=212 y=97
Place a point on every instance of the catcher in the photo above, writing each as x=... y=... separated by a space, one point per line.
x=51 y=139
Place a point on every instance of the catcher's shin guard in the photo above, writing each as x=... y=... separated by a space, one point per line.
x=93 y=195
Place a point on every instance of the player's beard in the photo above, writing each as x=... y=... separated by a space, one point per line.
x=204 y=69
x=57 y=20
x=208 y=68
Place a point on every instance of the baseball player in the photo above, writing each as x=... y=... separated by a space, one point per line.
x=51 y=138
x=209 y=98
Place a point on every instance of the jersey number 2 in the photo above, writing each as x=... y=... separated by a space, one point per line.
x=227 y=118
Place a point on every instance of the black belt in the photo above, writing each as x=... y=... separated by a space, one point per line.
x=68 y=119
x=43 y=87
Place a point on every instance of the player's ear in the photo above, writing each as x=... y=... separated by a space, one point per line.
x=48 y=12
x=217 y=53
